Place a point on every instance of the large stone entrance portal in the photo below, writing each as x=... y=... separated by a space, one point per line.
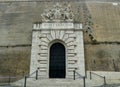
x=57 y=44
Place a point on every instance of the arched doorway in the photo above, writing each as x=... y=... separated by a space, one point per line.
x=57 y=63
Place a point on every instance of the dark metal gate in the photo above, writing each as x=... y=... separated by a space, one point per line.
x=57 y=67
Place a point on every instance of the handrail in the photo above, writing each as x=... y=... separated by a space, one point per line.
x=97 y=74
x=35 y=72
x=31 y=74
x=104 y=78
x=83 y=77
x=79 y=74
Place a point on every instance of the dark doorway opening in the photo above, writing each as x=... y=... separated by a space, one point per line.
x=57 y=67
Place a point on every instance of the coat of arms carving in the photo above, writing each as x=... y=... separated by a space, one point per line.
x=58 y=13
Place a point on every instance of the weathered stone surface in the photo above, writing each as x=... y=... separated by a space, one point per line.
x=100 y=57
x=15 y=60
x=17 y=18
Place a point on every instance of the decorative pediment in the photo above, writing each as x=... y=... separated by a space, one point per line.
x=58 y=13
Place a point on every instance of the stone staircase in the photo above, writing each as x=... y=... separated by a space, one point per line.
x=96 y=81
x=57 y=83
x=32 y=82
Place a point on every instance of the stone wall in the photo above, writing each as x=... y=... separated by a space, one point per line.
x=14 y=60
x=106 y=21
x=16 y=20
x=104 y=57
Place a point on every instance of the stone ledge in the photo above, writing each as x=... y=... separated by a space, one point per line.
x=108 y=74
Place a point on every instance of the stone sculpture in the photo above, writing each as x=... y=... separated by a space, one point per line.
x=58 y=13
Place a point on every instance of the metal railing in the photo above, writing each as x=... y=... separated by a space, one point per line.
x=104 y=78
x=29 y=76
x=80 y=76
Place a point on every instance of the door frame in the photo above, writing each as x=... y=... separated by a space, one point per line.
x=50 y=44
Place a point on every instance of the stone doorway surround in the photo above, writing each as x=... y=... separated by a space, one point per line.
x=72 y=38
x=57 y=26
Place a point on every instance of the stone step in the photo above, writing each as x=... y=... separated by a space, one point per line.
x=96 y=81
x=31 y=82
x=50 y=83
